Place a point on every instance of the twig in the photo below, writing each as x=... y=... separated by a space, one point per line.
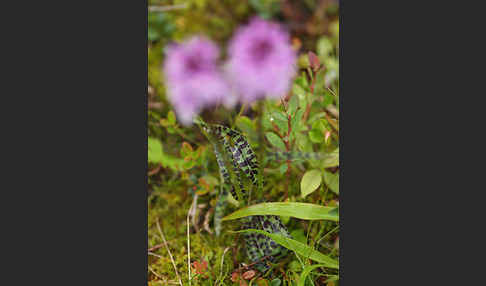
x=151 y=270
x=156 y=255
x=154 y=171
x=167 y=8
x=168 y=250
x=156 y=247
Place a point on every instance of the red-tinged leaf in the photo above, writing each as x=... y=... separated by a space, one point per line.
x=235 y=276
x=248 y=274
x=199 y=267
x=314 y=61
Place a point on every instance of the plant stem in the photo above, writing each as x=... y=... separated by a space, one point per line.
x=261 y=145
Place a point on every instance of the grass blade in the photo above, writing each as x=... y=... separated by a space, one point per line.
x=307 y=270
x=298 y=210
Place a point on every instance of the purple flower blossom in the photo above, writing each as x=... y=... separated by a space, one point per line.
x=262 y=61
x=193 y=78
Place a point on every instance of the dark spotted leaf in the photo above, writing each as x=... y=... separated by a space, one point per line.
x=299 y=248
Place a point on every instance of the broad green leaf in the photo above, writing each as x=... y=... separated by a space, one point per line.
x=332 y=181
x=303 y=143
x=310 y=182
x=331 y=159
x=283 y=168
x=316 y=136
x=324 y=47
x=298 y=210
x=154 y=150
x=245 y=124
x=275 y=282
x=307 y=270
x=299 y=248
x=298 y=90
x=320 y=125
x=275 y=140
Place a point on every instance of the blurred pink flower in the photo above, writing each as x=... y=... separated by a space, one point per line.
x=193 y=78
x=262 y=62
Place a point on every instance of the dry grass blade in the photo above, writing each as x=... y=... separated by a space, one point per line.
x=189 y=213
x=206 y=221
x=168 y=250
x=167 y=8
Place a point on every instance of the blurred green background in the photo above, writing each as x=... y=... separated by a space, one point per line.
x=181 y=162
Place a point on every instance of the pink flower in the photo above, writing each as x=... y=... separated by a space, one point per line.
x=193 y=78
x=262 y=62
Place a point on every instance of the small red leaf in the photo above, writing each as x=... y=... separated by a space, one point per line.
x=248 y=274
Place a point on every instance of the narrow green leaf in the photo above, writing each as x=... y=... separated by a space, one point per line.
x=298 y=210
x=310 y=182
x=297 y=120
x=281 y=120
x=307 y=270
x=275 y=140
x=298 y=247
x=293 y=105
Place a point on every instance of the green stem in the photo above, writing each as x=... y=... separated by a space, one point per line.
x=261 y=144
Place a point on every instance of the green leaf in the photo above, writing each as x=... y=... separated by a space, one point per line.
x=171 y=117
x=332 y=181
x=316 y=136
x=275 y=282
x=298 y=247
x=297 y=120
x=283 y=168
x=299 y=235
x=154 y=150
x=295 y=266
x=324 y=47
x=298 y=90
x=293 y=105
x=186 y=149
x=281 y=120
x=298 y=210
x=331 y=160
x=307 y=270
x=246 y=125
x=275 y=140
x=310 y=182
x=320 y=125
